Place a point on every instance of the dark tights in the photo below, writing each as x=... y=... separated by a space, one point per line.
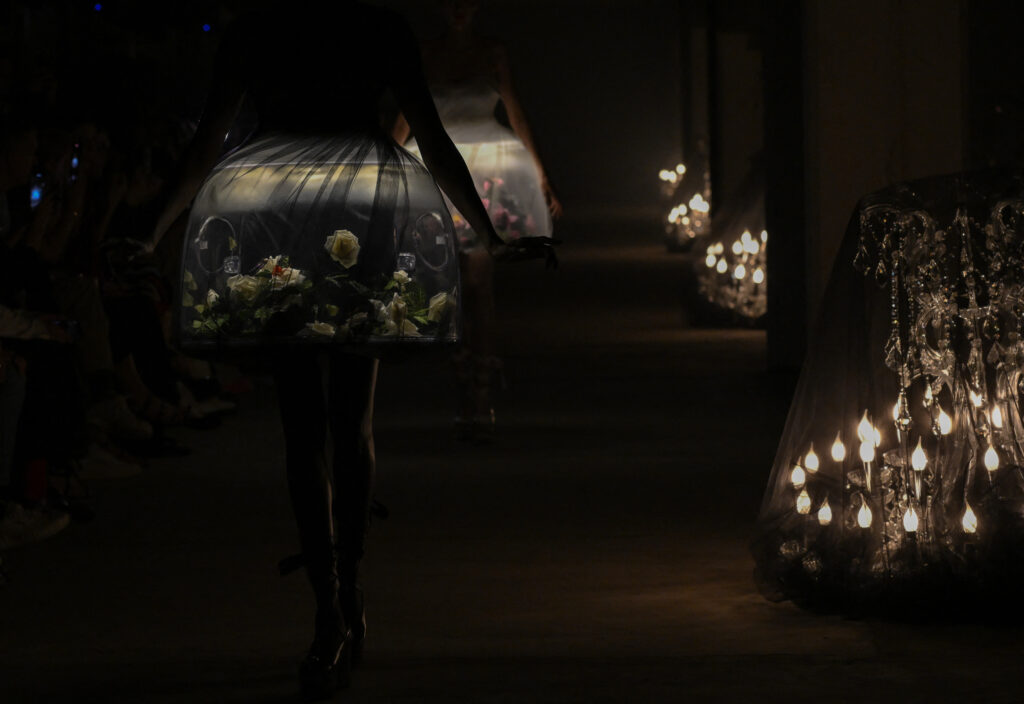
x=326 y=402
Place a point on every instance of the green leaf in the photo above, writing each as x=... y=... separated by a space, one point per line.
x=187 y=300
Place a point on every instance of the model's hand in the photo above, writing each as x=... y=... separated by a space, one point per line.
x=523 y=248
x=554 y=205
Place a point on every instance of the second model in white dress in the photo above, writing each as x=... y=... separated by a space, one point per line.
x=505 y=174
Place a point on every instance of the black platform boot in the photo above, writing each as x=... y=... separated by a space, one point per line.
x=327 y=665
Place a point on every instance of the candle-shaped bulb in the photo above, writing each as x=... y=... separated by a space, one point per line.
x=867 y=451
x=798 y=477
x=811 y=460
x=997 y=417
x=838 y=449
x=976 y=399
x=991 y=459
x=803 y=503
x=722 y=266
x=739 y=272
x=969 y=521
x=945 y=423
x=864 y=428
x=896 y=411
x=918 y=459
x=737 y=247
x=878 y=437
x=910 y=521
x=864 y=515
x=825 y=513
x=680 y=169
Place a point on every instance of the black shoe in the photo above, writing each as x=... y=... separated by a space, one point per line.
x=351 y=601
x=326 y=668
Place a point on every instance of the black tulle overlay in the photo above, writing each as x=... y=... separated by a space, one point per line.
x=898 y=480
x=319 y=240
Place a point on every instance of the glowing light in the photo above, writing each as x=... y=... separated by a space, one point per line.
x=991 y=459
x=864 y=515
x=740 y=271
x=722 y=267
x=976 y=399
x=896 y=411
x=97 y=7
x=811 y=460
x=878 y=437
x=928 y=398
x=838 y=449
x=969 y=521
x=719 y=247
x=945 y=423
x=745 y=237
x=825 y=513
x=737 y=247
x=803 y=503
x=699 y=204
x=910 y=521
x=867 y=451
x=665 y=175
x=206 y=28
x=764 y=235
x=686 y=219
x=919 y=460
x=798 y=477
x=758 y=276
x=997 y=417
x=864 y=428
x=711 y=261
x=680 y=169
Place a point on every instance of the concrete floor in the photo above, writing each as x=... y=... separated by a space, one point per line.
x=596 y=553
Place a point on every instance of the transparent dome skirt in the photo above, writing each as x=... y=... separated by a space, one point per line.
x=311 y=240
x=898 y=481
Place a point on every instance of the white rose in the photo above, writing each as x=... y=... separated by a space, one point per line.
x=212 y=297
x=287 y=277
x=397 y=309
x=321 y=328
x=270 y=263
x=406 y=329
x=244 y=287
x=343 y=247
x=402 y=277
x=439 y=305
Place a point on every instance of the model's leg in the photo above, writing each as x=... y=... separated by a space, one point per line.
x=300 y=388
x=352 y=384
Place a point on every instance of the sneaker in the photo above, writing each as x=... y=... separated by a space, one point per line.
x=100 y=463
x=21 y=525
x=113 y=416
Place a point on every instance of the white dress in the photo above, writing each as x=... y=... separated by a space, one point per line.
x=503 y=170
